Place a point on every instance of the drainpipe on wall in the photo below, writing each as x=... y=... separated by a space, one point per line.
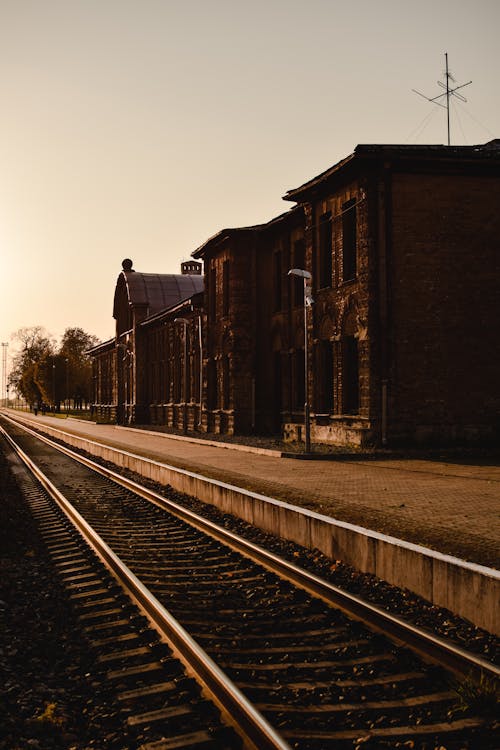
x=384 y=412
x=253 y=404
x=384 y=239
x=200 y=340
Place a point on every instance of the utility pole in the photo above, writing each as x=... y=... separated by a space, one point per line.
x=448 y=93
x=5 y=346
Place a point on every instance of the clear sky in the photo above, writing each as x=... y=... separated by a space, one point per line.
x=139 y=128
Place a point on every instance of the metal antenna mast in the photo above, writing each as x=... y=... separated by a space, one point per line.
x=447 y=93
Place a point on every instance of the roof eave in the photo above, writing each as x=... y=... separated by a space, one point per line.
x=109 y=344
x=299 y=193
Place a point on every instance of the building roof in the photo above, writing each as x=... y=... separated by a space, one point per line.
x=189 y=305
x=225 y=234
x=155 y=291
x=100 y=348
x=363 y=153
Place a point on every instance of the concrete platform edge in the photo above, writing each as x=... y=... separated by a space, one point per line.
x=469 y=590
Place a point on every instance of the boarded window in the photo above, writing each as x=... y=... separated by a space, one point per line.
x=212 y=384
x=350 y=375
x=277 y=390
x=226 y=383
x=277 y=279
x=186 y=386
x=299 y=259
x=325 y=251
x=324 y=377
x=225 y=288
x=212 y=291
x=177 y=362
x=349 y=240
x=299 y=393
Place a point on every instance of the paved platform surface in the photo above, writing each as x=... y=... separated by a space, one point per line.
x=449 y=506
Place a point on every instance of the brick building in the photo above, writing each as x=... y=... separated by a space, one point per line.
x=140 y=375
x=245 y=275
x=402 y=244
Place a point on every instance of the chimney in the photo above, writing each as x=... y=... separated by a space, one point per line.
x=191 y=268
x=127 y=265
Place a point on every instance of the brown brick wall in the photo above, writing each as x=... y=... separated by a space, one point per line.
x=344 y=307
x=233 y=333
x=444 y=304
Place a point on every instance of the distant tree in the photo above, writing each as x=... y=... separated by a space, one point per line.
x=29 y=366
x=77 y=366
x=41 y=372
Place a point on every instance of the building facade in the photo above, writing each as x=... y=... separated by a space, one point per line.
x=139 y=377
x=402 y=247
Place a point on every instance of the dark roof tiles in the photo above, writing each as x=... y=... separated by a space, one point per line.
x=158 y=292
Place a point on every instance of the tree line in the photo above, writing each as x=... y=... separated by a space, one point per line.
x=46 y=374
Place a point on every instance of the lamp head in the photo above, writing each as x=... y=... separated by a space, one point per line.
x=299 y=272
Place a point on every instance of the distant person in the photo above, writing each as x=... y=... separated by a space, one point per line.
x=35 y=408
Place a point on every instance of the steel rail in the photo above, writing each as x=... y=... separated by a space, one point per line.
x=254 y=729
x=460 y=661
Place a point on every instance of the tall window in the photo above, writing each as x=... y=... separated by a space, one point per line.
x=196 y=374
x=325 y=250
x=299 y=391
x=186 y=387
x=225 y=288
x=166 y=372
x=350 y=375
x=212 y=290
x=349 y=240
x=324 y=377
x=212 y=384
x=299 y=259
x=225 y=382
x=177 y=373
x=277 y=274
x=277 y=389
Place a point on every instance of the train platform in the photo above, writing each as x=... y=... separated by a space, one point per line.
x=450 y=505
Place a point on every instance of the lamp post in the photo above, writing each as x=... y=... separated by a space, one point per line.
x=125 y=370
x=185 y=323
x=306 y=276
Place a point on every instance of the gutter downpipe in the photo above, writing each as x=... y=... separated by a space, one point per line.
x=384 y=231
x=200 y=341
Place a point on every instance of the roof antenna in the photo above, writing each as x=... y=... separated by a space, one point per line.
x=447 y=93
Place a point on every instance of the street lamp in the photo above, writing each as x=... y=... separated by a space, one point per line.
x=185 y=323
x=308 y=300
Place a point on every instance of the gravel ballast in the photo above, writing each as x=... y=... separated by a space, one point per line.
x=50 y=697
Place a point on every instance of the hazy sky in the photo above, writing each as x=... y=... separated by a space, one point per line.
x=139 y=128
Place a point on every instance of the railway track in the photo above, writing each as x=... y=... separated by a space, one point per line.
x=307 y=673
